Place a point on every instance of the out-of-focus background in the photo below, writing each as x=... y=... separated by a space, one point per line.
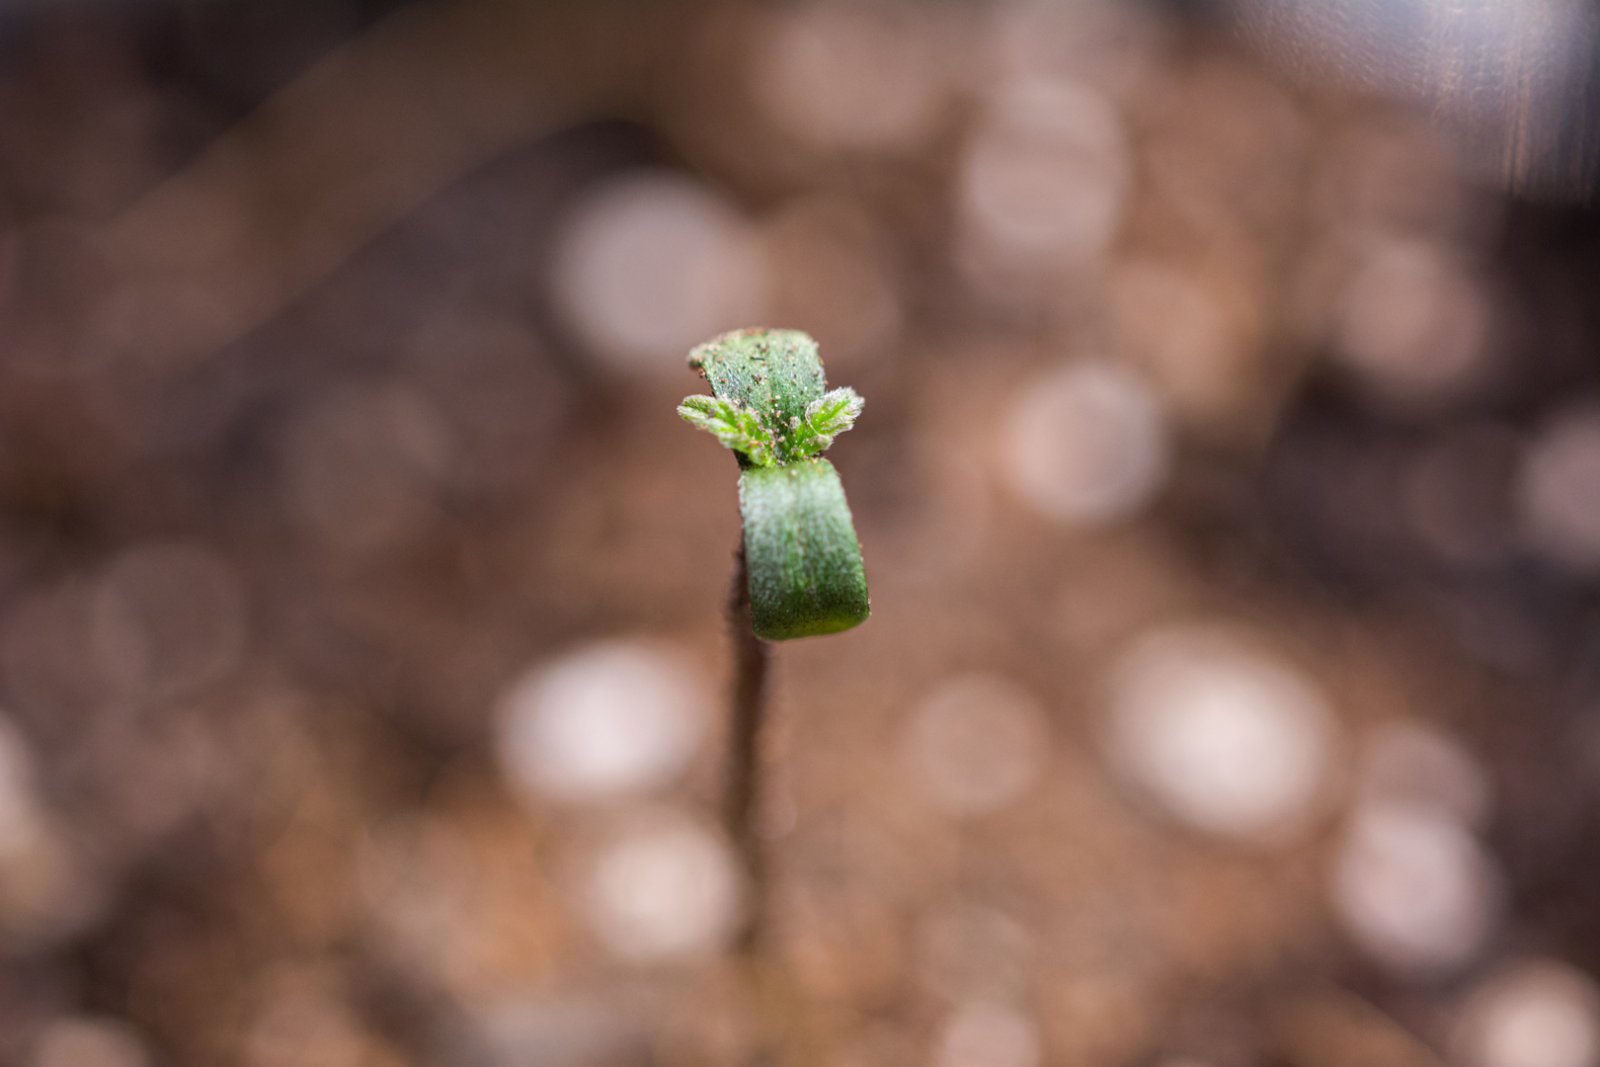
x=1227 y=486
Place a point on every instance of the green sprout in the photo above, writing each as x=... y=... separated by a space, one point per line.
x=772 y=408
x=799 y=569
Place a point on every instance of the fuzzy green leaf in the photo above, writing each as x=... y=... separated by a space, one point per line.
x=826 y=417
x=774 y=373
x=735 y=425
x=800 y=545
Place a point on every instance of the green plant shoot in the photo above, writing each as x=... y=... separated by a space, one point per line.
x=772 y=408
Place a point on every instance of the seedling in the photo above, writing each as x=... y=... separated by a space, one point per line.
x=799 y=571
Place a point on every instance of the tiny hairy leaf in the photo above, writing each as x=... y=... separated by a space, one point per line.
x=826 y=417
x=730 y=422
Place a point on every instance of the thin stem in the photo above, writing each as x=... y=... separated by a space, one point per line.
x=787 y=1036
x=743 y=799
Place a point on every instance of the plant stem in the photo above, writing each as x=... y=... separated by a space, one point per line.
x=742 y=803
x=786 y=1034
